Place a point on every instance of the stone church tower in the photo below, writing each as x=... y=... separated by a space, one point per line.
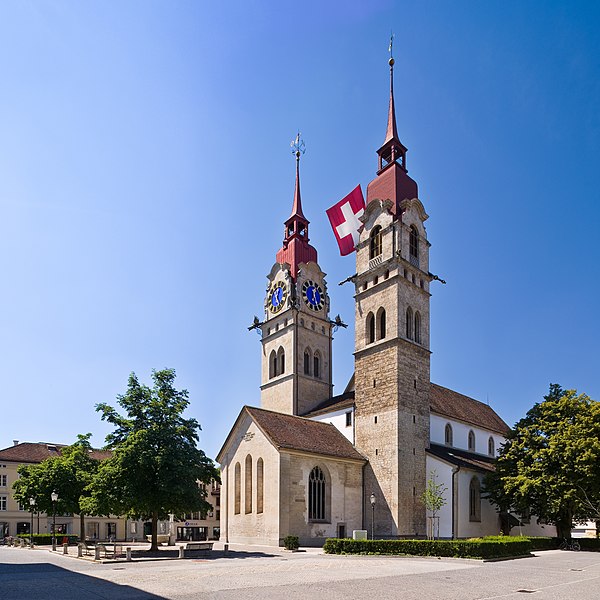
x=296 y=332
x=392 y=342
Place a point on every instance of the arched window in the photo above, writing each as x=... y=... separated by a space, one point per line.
x=474 y=500
x=260 y=490
x=471 y=445
x=280 y=361
x=491 y=447
x=237 y=484
x=414 y=246
x=375 y=242
x=307 y=362
x=370 y=328
x=448 y=435
x=418 y=327
x=409 y=323
x=317 y=364
x=381 y=324
x=272 y=365
x=248 y=485
x=316 y=495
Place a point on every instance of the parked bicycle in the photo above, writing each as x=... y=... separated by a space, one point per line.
x=570 y=545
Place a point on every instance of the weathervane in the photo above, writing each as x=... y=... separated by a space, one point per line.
x=390 y=49
x=298 y=147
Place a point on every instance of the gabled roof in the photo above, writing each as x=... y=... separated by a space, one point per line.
x=449 y=403
x=345 y=400
x=32 y=452
x=288 y=432
x=462 y=458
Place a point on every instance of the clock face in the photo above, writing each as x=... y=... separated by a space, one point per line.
x=277 y=296
x=313 y=295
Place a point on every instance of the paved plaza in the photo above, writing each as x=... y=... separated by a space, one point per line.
x=271 y=573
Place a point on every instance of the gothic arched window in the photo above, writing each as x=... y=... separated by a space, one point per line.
x=317 y=364
x=474 y=500
x=280 y=366
x=375 y=242
x=248 y=485
x=414 y=246
x=237 y=486
x=307 y=362
x=316 y=495
x=272 y=365
x=260 y=490
x=471 y=444
x=409 y=323
x=448 y=435
x=370 y=328
x=418 y=327
x=491 y=447
x=381 y=323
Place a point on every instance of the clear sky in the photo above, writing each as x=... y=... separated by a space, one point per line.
x=145 y=174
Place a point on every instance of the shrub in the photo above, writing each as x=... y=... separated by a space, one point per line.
x=474 y=548
x=544 y=543
x=589 y=543
x=291 y=542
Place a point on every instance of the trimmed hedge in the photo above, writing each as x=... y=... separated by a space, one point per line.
x=544 y=543
x=473 y=548
x=45 y=539
x=589 y=543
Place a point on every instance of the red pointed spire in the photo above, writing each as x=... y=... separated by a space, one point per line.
x=296 y=249
x=392 y=132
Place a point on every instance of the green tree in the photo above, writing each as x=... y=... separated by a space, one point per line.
x=550 y=462
x=434 y=499
x=156 y=466
x=68 y=473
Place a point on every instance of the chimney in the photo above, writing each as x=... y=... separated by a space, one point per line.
x=15 y=442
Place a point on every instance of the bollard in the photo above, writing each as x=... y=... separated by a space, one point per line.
x=181 y=555
x=97 y=553
x=65 y=548
x=22 y=543
x=225 y=548
x=128 y=551
x=79 y=550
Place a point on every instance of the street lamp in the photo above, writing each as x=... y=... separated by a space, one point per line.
x=31 y=507
x=373 y=499
x=54 y=497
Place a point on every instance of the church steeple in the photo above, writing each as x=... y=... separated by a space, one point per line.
x=296 y=249
x=392 y=181
x=392 y=151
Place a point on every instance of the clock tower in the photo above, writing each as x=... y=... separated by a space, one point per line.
x=296 y=331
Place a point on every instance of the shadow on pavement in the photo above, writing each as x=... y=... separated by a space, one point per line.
x=43 y=580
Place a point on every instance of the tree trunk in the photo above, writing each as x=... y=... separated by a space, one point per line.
x=154 y=544
x=81 y=527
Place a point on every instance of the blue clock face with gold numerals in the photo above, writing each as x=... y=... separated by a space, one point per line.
x=277 y=296
x=313 y=295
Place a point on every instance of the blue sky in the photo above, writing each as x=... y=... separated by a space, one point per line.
x=146 y=174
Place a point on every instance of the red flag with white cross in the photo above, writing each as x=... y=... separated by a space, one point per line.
x=343 y=217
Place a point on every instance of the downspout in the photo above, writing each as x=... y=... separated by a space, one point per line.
x=295 y=370
x=226 y=503
x=454 y=503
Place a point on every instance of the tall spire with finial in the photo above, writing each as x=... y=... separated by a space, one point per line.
x=392 y=179
x=296 y=249
x=392 y=132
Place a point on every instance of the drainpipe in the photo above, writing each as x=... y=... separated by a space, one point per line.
x=455 y=471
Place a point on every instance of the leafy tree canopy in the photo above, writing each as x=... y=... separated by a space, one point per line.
x=156 y=467
x=68 y=473
x=550 y=462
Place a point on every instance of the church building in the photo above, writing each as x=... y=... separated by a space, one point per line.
x=314 y=465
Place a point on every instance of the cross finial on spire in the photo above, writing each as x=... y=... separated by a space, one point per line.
x=298 y=148
x=391 y=45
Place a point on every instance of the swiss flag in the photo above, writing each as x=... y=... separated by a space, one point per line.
x=343 y=217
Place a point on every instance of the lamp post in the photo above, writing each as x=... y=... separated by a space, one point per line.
x=373 y=500
x=54 y=497
x=31 y=507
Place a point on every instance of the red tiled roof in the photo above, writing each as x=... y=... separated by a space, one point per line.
x=31 y=452
x=451 y=404
x=297 y=433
